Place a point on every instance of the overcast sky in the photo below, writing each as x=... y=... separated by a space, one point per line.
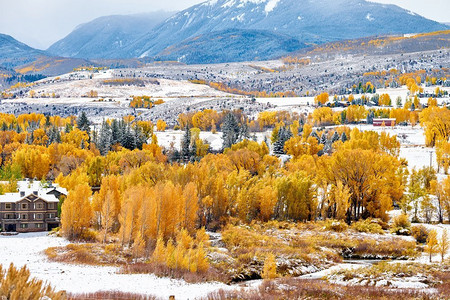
x=39 y=23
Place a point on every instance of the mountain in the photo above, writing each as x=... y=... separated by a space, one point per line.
x=231 y=45
x=14 y=53
x=378 y=45
x=309 y=21
x=105 y=36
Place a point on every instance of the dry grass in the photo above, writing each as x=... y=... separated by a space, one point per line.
x=162 y=270
x=110 y=295
x=291 y=288
x=89 y=254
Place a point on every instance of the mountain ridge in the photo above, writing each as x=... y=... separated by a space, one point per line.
x=305 y=20
x=103 y=37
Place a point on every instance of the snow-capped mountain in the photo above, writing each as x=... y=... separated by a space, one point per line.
x=310 y=21
x=105 y=36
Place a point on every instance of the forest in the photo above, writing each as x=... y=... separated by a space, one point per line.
x=155 y=207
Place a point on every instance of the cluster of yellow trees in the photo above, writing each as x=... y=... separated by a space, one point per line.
x=144 y=102
x=155 y=207
x=154 y=199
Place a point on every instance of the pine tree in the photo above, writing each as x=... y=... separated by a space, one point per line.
x=128 y=139
x=83 y=123
x=315 y=135
x=104 y=143
x=334 y=137
x=116 y=133
x=186 y=145
x=230 y=130
x=370 y=117
x=284 y=134
x=344 y=137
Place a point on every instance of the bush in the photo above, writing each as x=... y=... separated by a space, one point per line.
x=420 y=233
x=368 y=225
x=15 y=283
x=401 y=225
x=335 y=225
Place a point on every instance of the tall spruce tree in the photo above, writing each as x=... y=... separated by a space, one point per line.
x=186 y=145
x=83 y=123
x=230 y=130
x=284 y=134
x=104 y=141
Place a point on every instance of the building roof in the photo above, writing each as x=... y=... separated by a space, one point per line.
x=15 y=197
x=27 y=188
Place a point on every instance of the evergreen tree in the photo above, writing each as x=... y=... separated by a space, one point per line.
x=54 y=135
x=83 y=123
x=243 y=131
x=185 y=145
x=370 y=117
x=323 y=138
x=116 y=132
x=334 y=137
x=230 y=130
x=104 y=143
x=344 y=137
x=128 y=139
x=68 y=128
x=139 y=137
x=284 y=134
x=315 y=135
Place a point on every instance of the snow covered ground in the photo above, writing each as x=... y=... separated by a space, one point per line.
x=173 y=138
x=27 y=249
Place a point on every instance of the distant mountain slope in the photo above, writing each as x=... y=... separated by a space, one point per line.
x=231 y=45
x=310 y=21
x=105 y=36
x=381 y=45
x=14 y=53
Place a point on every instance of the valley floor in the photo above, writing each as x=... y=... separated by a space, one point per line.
x=28 y=249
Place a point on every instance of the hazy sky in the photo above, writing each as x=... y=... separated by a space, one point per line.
x=39 y=23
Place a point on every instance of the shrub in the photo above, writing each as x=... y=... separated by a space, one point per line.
x=401 y=225
x=368 y=225
x=17 y=284
x=335 y=225
x=420 y=233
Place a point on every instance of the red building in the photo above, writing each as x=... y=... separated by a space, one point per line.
x=385 y=122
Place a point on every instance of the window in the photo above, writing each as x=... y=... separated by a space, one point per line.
x=39 y=216
x=39 y=225
x=50 y=216
x=51 y=206
x=23 y=225
x=9 y=216
x=8 y=206
x=24 y=206
x=39 y=206
x=24 y=216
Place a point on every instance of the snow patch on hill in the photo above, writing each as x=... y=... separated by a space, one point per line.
x=271 y=5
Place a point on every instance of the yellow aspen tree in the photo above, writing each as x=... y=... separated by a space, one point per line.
x=432 y=243
x=201 y=258
x=170 y=255
x=128 y=217
x=139 y=246
x=108 y=209
x=270 y=267
x=189 y=207
x=159 y=254
x=76 y=212
x=444 y=244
